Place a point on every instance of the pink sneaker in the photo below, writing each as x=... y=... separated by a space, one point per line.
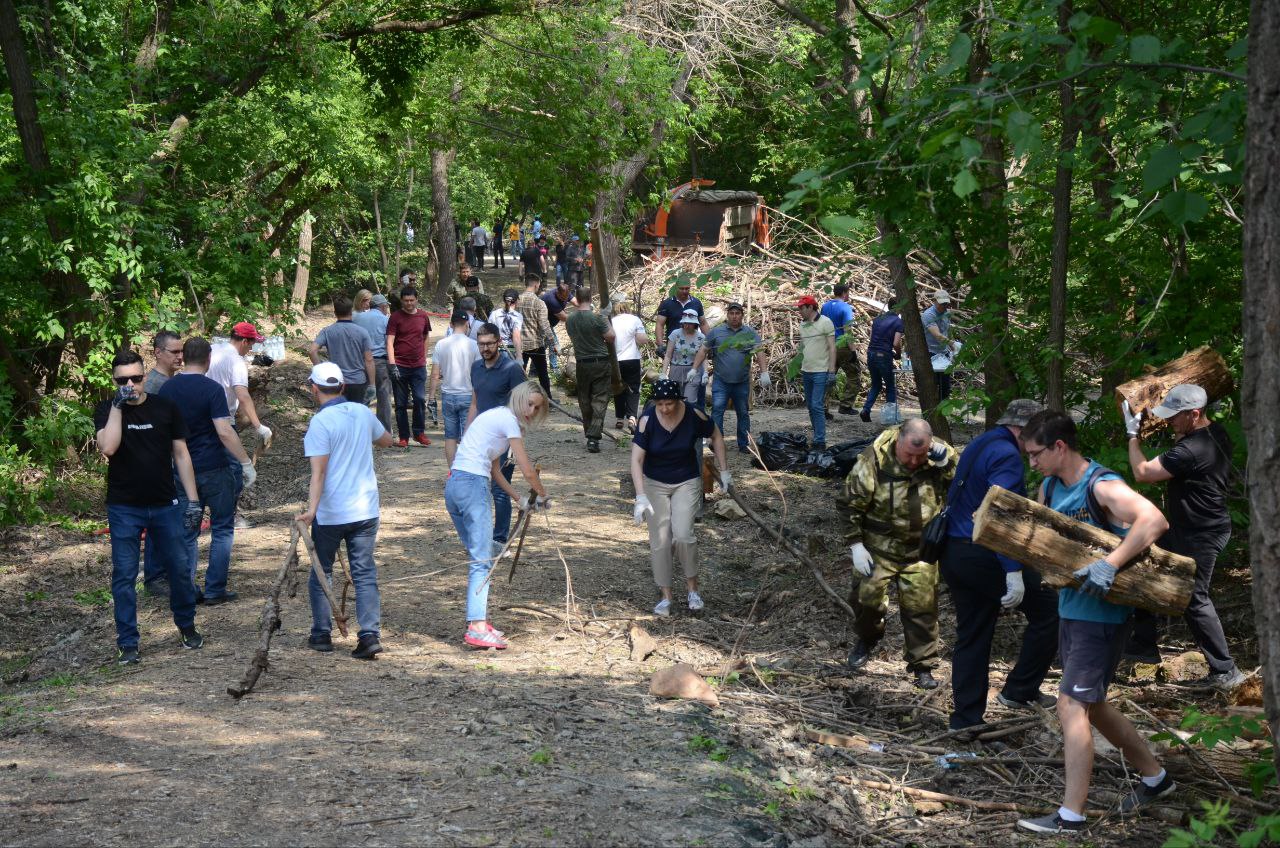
x=485 y=639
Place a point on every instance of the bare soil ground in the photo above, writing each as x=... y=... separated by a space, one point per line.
x=555 y=741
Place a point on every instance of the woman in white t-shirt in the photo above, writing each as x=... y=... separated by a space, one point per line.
x=629 y=338
x=466 y=494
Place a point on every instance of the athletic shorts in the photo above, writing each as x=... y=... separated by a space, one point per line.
x=1090 y=652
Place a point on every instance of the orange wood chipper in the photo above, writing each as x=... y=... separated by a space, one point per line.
x=697 y=217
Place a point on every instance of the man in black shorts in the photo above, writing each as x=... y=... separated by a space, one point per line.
x=1197 y=468
x=143 y=437
x=1092 y=630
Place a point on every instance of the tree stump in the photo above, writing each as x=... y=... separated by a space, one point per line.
x=1055 y=546
x=1203 y=367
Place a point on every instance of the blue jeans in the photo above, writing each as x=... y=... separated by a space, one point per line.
x=217 y=490
x=413 y=381
x=360 y=537
x=815 y=396
x=880 y=365
x=502 y=504
x=155 y=577
x=455 y=408
x=164 y=530
x=740 y=394
x=466 y=496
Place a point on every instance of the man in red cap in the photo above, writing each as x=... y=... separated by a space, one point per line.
x=228 y=369
x=818 y=364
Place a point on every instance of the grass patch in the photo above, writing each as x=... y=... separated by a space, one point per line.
x=93 y=597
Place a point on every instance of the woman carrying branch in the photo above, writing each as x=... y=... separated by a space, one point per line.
x=666 y=469
x=466 y=494
x=682 y=347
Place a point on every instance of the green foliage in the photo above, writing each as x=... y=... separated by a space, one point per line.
x=715 y=750
x=541 y=757
x=94 y=597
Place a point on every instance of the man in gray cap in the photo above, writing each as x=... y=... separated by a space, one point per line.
x=937 y=334
x=1197 y=468
x=983 y=582
x=374 y=321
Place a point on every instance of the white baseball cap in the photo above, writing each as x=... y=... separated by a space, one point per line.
x=327 y=374
x=941 y=296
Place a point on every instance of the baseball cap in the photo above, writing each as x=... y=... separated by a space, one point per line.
x=327 y=374
x=472 y=282
x=1019 y=412
x=807 y=300
x=941 y=296
x=734 y=305
x=1181 y=398
x=690 y=317
x=245 y=330
x=575 y=237
x=380 y=300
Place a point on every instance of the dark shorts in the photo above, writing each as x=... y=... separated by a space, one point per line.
x=1090 y=652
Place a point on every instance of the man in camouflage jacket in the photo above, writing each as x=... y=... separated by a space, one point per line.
x=897 y=485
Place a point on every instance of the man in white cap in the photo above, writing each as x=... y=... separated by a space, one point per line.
x=342 y=505
x=1197 y=468
x=937 y=334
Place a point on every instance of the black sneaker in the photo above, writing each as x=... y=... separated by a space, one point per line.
x=593 y=446
x=848 y=410
x=157 y=589
x=191 y=638
x=1052 y=824
x=224 y=598
x=828 y=415
x=1142 y=794
x=322 y=642
x=367 y=648
x=926 y=680
x=865 y=416
x=859 y=655
x=1046 y=701
x=128 y=656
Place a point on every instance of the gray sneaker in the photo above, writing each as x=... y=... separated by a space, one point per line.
x=1046 y=701
x=1052 y=824
x=1142 y=794
x=1223 y=681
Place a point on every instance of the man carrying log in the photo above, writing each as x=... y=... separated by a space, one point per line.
x=982 y=582
x=1093 y=630
x=342 y=505
x=1197 y=467
x=895 y=488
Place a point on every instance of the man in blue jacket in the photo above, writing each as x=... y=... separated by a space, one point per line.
x=982 y=582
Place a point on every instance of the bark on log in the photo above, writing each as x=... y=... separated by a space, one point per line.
x=1203 y=367
x=1056 y=545
x=269 y=622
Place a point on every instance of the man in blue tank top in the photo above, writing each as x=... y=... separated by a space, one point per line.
x=1092 y=631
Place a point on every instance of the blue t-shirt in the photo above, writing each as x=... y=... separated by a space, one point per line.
x=992 y=459
x=674 y=310
x=671 y=456
x=1071 y=501
x=375 y=324
x=934 y=316
x=200 y=400
x=883 y=330
x=345 y=432
x=840 y=313
x=492 y=386
x=554 y=307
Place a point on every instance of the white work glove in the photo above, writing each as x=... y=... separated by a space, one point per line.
x=643 y=510
x=726 y=480
x=1132 y=420
x=539 y=504
x=1014 y=590
x=264 y=433
x=937 y=452
x=861 y=559
x=249 y=472
x=693 y=377
x=765 y=380
x=706 y=377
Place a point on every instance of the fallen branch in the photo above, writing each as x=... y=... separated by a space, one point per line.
x=1184 y=743
x=339 y=617
x=616 y=438
x=269 y=622
x=927 y=795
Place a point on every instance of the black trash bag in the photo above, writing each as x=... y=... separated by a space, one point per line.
x=263 y=360
x=782 y=451
x=836 y=461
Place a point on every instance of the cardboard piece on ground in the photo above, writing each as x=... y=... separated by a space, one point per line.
x=681 y=681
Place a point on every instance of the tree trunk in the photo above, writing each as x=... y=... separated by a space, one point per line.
x=1056 y=546
x=1260 y=394
x=1203 y=367
x=404 y=213
x=601 y=276
x=302 y=275
x=1055 y=397
x=446 y=240
x=382 y=245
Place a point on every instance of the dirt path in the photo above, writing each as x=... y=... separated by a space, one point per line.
x=553 y=741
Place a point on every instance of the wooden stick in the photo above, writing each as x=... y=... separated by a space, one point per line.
x=339 y=617
x=524 y=528
x=269 y=622
x=1184 y=743
x=618 y=439
x=998 y=806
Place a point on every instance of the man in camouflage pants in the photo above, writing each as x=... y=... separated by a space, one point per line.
x=896 y=486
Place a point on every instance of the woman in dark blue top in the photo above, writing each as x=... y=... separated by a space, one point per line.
x=666 y=468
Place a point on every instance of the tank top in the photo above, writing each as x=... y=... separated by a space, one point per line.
x=1072 y=502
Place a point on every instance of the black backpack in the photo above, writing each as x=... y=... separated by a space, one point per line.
x=1096 y=512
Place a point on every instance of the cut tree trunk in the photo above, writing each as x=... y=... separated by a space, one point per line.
x=1203 y=367
x=1056 y=546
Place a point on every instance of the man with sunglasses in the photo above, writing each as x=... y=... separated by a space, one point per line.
x=1197 y=468
x=144 y=438
x=168 y=352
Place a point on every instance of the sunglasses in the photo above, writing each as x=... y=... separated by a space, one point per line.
x=177 y=352
x=132 y=378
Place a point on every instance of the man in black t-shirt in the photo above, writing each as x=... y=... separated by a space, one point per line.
x=1197 y=468
x=534 y=259
x=144 y=438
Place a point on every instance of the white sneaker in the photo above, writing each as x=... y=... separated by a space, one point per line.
x=695 y=601
x=663 y=608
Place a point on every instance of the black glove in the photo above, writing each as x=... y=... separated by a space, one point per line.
x=394 y=371
x=937 y=452
x=191 y=517
x=123 y=395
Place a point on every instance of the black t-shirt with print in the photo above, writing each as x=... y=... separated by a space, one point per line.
x=140 y=473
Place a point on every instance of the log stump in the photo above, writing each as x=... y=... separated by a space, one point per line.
x=1203 y=367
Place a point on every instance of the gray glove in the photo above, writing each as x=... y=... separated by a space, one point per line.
x=370 y=394
x=1097 y=578
x=394 y=371
x=191 y=516
x=123 y=395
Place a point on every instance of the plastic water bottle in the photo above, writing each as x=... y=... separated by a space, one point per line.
x=906 y=361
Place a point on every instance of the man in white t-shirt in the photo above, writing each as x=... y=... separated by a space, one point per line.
x=479 y=241
x=451 y=362
x=227 y=368
x=343 y=505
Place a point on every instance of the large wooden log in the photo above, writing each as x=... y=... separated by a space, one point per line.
x=1203 y=367
x=1056 y=545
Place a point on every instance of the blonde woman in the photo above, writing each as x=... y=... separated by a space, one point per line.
x=466 y=494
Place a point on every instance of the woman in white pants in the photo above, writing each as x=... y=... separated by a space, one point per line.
x=666 y=468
